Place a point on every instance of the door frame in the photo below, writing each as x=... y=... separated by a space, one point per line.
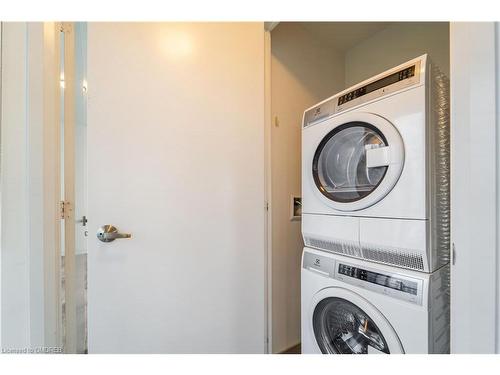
x=69 y=172
x=268 y=190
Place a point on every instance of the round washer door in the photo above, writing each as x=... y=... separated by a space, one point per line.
x=343 y=322
x=358 y=162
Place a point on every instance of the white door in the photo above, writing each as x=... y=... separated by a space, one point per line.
x=176 y=158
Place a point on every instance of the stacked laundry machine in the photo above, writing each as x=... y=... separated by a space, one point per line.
x=376 y=215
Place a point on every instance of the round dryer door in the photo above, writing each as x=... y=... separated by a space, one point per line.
x=348 y=324
x=358 y=162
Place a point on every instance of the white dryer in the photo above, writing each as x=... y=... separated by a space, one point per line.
x=350 y=306
x=375 y=169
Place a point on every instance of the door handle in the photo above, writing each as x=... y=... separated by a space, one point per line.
x=109 y=233
x=377 y=157
x=83 y=220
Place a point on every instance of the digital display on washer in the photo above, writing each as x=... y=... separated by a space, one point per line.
x=405 y=286
x=383 y=82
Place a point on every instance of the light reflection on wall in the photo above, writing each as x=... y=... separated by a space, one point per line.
x=177 y=45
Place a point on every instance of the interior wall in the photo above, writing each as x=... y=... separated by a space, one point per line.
x=28 y=293
x=303 y=72
x=396 y=44
x=474 y=189
x=22 y=302
x=15 y=247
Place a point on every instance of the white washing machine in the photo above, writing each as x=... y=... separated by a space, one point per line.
x=350 y=306
x=375 y=169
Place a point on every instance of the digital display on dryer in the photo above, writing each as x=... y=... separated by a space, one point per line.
x=383 y=82
x=387 y=281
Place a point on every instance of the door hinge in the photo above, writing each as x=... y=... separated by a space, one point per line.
x=266 y=206
x=63 y=209
x=65 y=27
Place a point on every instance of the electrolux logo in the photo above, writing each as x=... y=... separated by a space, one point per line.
x=317 y=262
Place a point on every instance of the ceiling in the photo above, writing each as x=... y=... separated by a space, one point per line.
x=342 y=35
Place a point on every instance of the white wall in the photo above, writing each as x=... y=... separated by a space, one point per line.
x=303 y=72
x=15 y=247
x=28 y=294
x=396 y=44
x=497 y=229
x=474 y=190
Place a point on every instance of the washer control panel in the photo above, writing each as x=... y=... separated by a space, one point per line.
x=394 y=285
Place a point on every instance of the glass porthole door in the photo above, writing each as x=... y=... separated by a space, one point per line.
x=357 y=163
x=344 y=322
x=341 y=327
x=340 y=167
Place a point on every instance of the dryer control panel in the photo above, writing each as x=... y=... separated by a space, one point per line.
x=373 y=86
x=389 y=82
